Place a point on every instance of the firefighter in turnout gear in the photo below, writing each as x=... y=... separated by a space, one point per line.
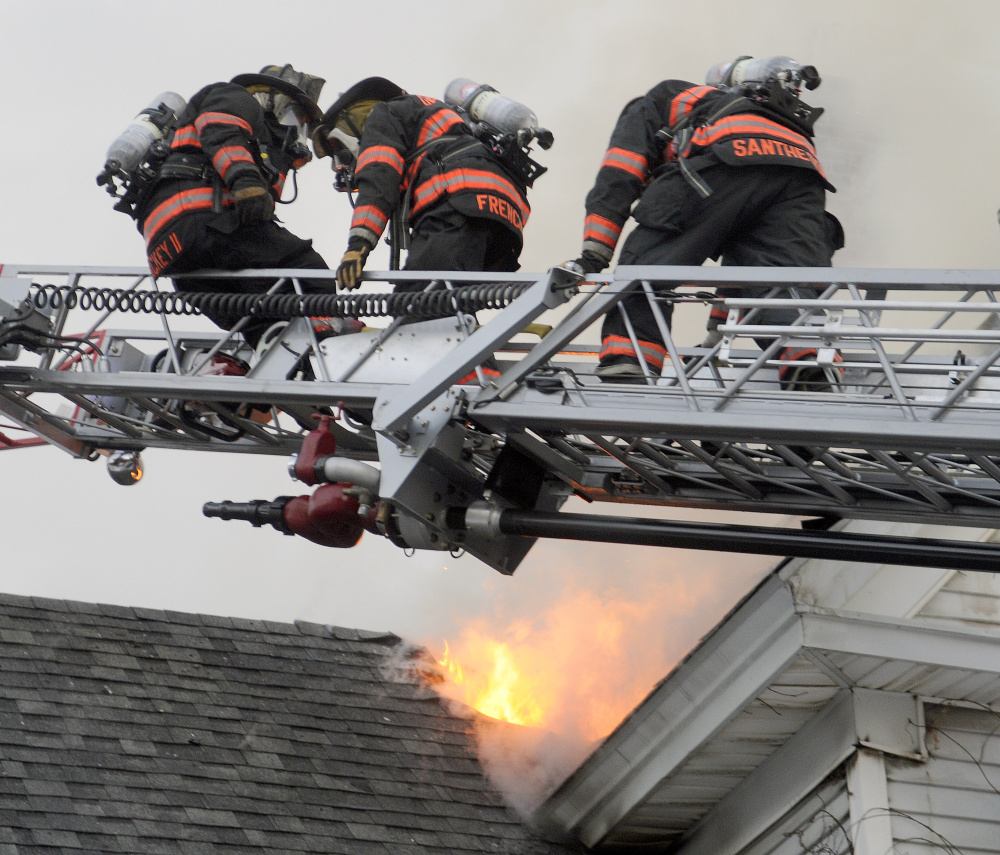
x=723 y=171
x=417 y=158
x=212 y=203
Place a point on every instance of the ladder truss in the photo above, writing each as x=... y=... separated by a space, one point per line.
x=902 y=425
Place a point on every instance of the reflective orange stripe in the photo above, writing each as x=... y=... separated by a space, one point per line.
x=685 y=102
x=616 y=345
x=468 y=180
x=601 y=230
x=380 y=154
x=772 y=137
x=369 y=217
x=226 y=157
x=206 y=119
x=437 y=124
x=199 y=199
x=186 y=136
x=790 y=355
x=472 y=377
x=746 y=124
x=628 y=161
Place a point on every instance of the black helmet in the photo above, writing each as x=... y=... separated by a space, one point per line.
x=345 y=117
x=369 y=89
x=282 y=83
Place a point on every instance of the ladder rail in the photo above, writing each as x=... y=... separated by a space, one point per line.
x=713 y=430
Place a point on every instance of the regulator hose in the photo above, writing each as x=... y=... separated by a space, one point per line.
x=422 y=304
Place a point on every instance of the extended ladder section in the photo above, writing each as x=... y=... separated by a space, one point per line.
x=477 y=397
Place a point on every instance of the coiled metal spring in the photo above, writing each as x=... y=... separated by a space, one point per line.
x=421 y=304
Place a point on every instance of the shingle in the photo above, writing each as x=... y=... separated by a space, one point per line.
x=49 y=837
x=148 y=731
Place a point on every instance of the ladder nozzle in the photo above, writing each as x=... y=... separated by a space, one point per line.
x=257 y=512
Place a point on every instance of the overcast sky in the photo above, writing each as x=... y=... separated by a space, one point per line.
x=909 y=138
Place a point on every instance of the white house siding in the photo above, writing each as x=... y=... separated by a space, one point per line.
x=951 y=803
x=817 y=825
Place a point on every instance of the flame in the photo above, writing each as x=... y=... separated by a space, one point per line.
x=571 y=646
x=454 y=669
x=574 y=661
x=501 y=693
x=562 y=670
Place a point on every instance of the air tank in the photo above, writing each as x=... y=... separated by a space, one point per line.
x=484 y=104
x=130 y=149
x=748 y=71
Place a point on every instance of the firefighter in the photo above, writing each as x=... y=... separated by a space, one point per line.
x=212 y=204
x=417 y=156
x=726 y=171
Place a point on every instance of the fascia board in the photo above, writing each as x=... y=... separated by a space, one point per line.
x=699 y=698
x=905 y=640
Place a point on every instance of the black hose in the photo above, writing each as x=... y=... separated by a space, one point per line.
x=420 y=305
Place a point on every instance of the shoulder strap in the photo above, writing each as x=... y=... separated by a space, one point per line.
x=680 y=134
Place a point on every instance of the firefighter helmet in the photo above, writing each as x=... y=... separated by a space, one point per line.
x=345 y=118
x=280 y=86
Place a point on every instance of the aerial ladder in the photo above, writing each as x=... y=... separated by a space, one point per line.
x=399 y=431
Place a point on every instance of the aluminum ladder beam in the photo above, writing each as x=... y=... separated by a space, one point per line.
x=908 y=434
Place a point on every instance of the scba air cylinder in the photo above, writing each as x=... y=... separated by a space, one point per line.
x=131 y=147
x=484 y=104
x=751 y=72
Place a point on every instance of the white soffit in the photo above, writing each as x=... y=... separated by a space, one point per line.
x=742 y=694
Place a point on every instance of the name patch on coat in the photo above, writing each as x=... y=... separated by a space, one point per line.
x=488 y=203
x=761 y=150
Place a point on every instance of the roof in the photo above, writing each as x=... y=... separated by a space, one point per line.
x=143 y=731
x=776 y=698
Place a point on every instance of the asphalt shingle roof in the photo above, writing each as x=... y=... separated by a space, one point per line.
x=130 y=730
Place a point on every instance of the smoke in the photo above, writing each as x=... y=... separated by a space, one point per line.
x=587 y=632
x=906 y=138
x=901 y=139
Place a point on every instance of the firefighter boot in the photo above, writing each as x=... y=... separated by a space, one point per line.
x=807 y=378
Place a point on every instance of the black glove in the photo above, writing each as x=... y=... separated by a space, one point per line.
x=351 y=265
x=590 y=262
x=254 y=204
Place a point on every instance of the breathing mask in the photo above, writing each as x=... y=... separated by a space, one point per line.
x=342 y=142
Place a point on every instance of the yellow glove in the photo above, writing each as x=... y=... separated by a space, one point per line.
x=351 y=265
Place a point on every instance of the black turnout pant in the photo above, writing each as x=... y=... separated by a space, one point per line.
x=767 y=216
x=206 y=244
x=447 y=239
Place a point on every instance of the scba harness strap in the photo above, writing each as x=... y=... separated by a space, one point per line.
x=680 y=135
x=738 y=132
